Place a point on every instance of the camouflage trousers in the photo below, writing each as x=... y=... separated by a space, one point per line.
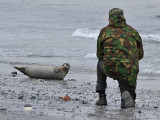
x=102 y=82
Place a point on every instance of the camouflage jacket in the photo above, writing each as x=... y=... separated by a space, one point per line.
x=119 y=46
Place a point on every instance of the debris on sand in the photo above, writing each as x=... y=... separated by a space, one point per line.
x=66 y=98
x=28 y=108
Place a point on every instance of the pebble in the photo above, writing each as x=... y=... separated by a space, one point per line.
x=64 y=83
x=20 y=97
x=76 y=99
x=33 y=88
x=71 y=79
x=33 y=97
x=14 y=73
x=139 y=111
x=3 y=109
x=28 y=108
x=156 y=107
x=27 y=105
x=84 y=102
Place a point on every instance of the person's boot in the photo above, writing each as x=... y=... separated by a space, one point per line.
x=127 y=100
x=102 y=100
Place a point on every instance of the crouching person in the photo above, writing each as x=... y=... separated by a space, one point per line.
x=119 y=49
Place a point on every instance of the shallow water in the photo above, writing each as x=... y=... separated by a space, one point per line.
x=53 y=32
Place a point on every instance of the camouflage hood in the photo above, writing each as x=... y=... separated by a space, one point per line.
x=116 y=18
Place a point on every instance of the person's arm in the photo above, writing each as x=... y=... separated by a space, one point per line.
x=99 y=47
x=139 y=47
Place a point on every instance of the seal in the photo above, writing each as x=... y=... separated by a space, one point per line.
x=45 y=72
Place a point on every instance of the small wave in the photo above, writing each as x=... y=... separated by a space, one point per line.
x=43 y=56
x=154 y=37
x=91 y=55
x=86 y=33
x=93 y=34
x=20 y=63
x=150 y=72
x=14 y=62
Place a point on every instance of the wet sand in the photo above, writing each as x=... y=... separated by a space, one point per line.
x=43 y=96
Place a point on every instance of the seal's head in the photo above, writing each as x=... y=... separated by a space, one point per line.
x=116 y=18
x=66 y=67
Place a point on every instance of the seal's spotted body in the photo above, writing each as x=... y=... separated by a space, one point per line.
x=45 y=72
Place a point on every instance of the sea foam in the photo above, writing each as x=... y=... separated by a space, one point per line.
x=91 y=55
x=86 y=33
x=154 y=37
x=93 y=34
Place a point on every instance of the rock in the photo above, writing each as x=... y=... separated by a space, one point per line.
x=3 y=109
x=76 y=99
x=20 y=97
x=14 y=73
x=64 y=83
x=156 y=107
x=139 y=111
x=33 y=97
x=28 y=107
x=71 y=79
x=84 y=102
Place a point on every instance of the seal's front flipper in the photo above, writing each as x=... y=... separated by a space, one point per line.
x=56 y=69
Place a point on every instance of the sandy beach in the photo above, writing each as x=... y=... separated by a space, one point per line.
x=17 y=91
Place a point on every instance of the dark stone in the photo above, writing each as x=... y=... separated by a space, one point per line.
x=27 y=105
x=33 y=97
x=84 y=102
x=3 y=109
x=156 y=107
x=76 y=99
x=139 y=111
x=71 y=79
x=14 y=73
x=20 y=97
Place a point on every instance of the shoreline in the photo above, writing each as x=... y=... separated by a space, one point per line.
x=43 y=95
